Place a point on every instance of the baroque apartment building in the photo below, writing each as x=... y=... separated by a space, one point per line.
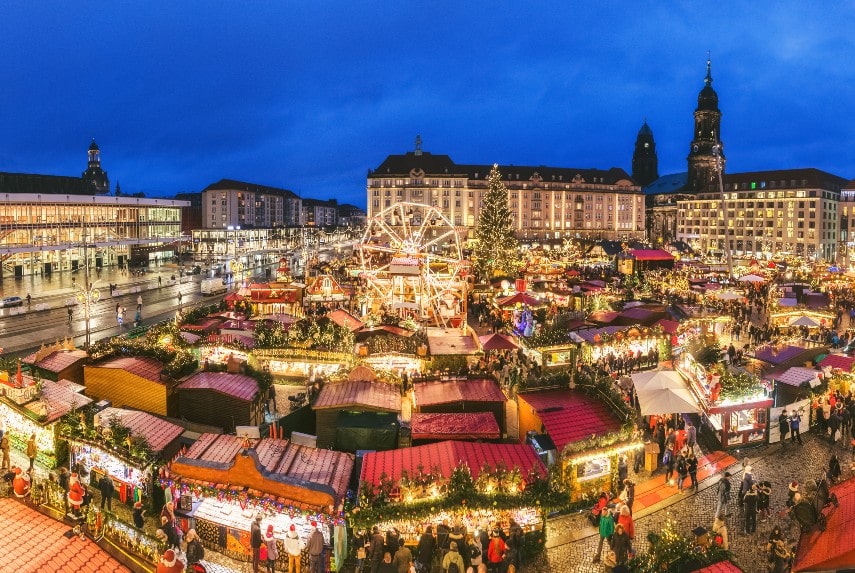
x=547 y=203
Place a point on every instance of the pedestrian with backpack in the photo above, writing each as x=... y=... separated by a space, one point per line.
x=453 y=562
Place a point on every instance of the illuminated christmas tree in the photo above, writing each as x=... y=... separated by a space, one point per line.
x=496 y=248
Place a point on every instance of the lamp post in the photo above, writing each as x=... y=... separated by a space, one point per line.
x=87 y=295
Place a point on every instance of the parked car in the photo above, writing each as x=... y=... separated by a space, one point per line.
x=11 y=301
x=195 y=270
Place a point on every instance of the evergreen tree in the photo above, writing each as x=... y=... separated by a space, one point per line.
x=496 y=248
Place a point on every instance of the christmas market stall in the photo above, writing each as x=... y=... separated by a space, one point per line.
x=31 y=406
x=125 y=445
x=358 y=415
x=221 y=399
x=590 y=428
x=478 y=484
x=645 y=346
x=734 y=402
x=60 y=361
x=461 y=395
x=223 y=482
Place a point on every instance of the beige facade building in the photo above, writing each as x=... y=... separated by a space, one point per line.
x=547 y=203
x=228 y=203
x=766 y=214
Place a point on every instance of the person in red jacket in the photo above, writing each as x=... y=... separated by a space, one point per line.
x=496 y=552
x=625 y=519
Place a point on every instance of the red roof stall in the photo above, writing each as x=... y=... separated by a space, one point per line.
x=221 y=399
x=834 y=548
x=639 y=260
x=569 y=418
x=358 y=415
x=423 y=473
x=223 y=481
x=461 y=396
x=476 y=426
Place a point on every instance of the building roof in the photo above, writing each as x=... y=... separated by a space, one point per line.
x=360 y=393
x=141 y=366
x=33 y=183
x=159 y=433
x=651 y=255
x=796 y=376
x=726 y=566
x=450 y=342
x=833 y=548
x=838 y=361
x=468 y=426
x=58 y=399
x=435 y=392
x=46 y=545
x=811 y=176
x=787 y=354
x=570 y=416
x=345 y=319
x=447 y=456
x=56 y=361
x=237 y=386
x=231 y=184
x=302 y=463
x=671 y=183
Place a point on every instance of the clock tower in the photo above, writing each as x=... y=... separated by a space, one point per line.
x=702 y=152
x=645 y=165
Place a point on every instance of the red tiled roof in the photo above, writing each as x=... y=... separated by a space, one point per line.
x=215 y=448
x=838 y=361
x=142 y=366
x=668 y=326
x=434 y=392
x=726 y=566
x=375 y=395
x=651 y=255
x=447 y=456
x=56 y=361
x=833 y=548
x=570 y=416
x=236 y=385
x=469 y=426
x=31 y=542
x=159 y=433
x=345 y=319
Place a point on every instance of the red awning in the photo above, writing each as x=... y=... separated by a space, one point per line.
x=520 y=298
x=497 y=342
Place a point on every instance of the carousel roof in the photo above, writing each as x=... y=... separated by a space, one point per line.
x=570 y=416
x=469 y=426
x=833 y=548
x=436 y=392
x=447 y=456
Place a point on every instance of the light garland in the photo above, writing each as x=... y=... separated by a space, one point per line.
x=605 y=452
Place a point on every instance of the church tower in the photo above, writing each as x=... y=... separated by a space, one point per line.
x=707 y=134
x=645 y=165
x=95 y=179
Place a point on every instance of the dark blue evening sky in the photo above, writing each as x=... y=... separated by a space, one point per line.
x=310 y=95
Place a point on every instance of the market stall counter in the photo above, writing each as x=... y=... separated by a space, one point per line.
x=223 y=482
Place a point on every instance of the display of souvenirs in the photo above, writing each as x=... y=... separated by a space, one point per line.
x=527 y=517
x=131 y=482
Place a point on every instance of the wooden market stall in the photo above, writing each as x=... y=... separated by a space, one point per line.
x=438 y=427
x=461 y=395
x=221 y=399
x=412 y=488
x=735 y=421
x=358 y=414
x=222 y=483
x=132 y=381
x=28 y=409
x=60 y=361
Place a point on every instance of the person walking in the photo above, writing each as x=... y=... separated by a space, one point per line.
x=723 y=492
x=607 y=529
x=795 y=421
x=452 y=562
x=692 y=466
x=621 y=545
x=4 y=448
x=179 y=298
x=627 y=495
x=426 y=548
x=272 y=549
x=139 y=302
x=691 y=436
x=749 y=502
x=255 y=542
x=70 y=313
x=833 y=469
x=375 y=551
x=32 y=450
x=315 y=546
x=669 y=462
x=682 y=470
x=764 y=499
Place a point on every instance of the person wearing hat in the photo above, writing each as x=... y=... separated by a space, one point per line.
x=195 y=550
x=719 y=529
x=453 y=559
x=75 y=493
x=255 y=542
x=21 y=483
x=272 y=549
x=139 y=515
x=294 y=548
x=793 y=495
x=315 y=545
x=170 y=562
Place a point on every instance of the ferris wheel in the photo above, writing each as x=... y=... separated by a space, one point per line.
x=412 y=265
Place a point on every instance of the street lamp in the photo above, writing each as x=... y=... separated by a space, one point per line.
x=87 y=294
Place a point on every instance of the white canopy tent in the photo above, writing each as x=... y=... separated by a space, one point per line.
x=663 y=392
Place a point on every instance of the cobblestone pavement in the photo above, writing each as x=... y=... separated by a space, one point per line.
x=777 y=464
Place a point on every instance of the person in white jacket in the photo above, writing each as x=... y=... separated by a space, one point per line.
x=294 y=547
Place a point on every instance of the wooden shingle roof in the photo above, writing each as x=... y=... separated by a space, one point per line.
x=141 y=366
x=360 y=393
x=435 y=392
x=158 y=433
x=236 y=385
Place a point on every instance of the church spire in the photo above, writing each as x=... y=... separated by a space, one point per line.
x=708 y=79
